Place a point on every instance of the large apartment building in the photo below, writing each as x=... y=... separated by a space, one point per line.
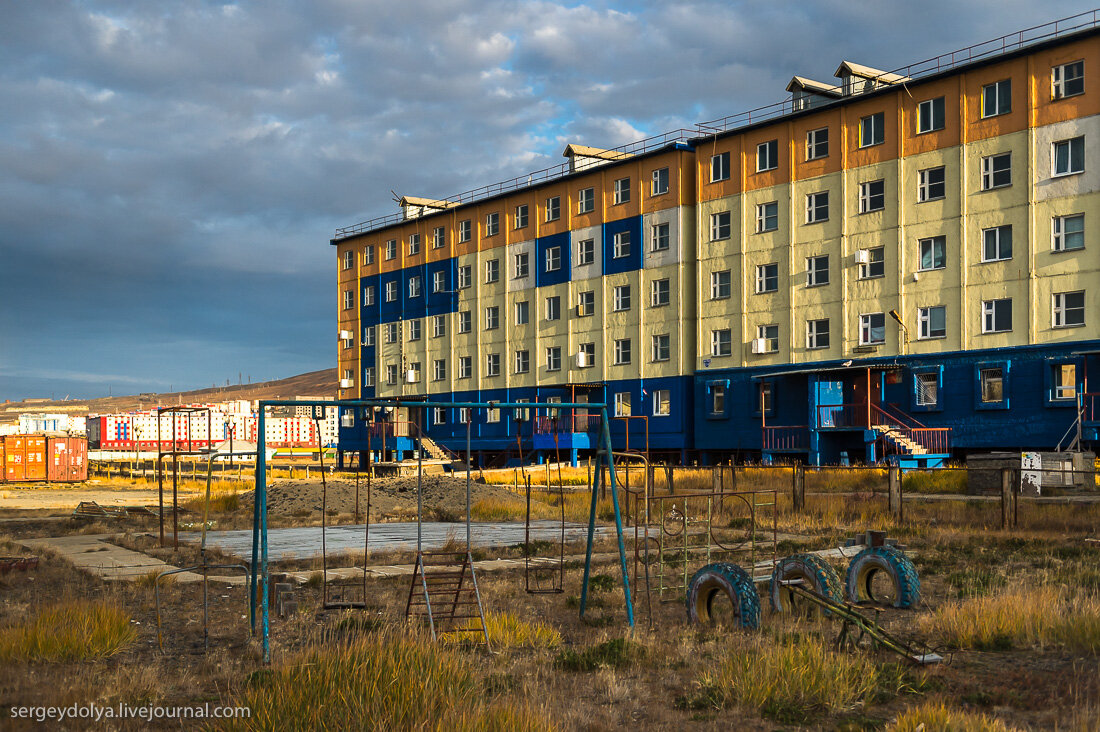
x=892 y=263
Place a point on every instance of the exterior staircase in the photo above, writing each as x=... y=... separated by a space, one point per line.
x=897 y=437
x=438 y=452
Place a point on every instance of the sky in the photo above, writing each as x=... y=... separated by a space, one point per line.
x=171 y=173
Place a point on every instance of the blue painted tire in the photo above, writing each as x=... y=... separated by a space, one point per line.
x=730 y=580
x=816 y=574
x=898 y=567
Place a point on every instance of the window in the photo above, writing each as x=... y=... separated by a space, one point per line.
x=767 y=277
x=931 y=252
x=817 y=270
x=872 y=329
x=1069 y=156
x=931 y=184
x=349 y=259
x=874 y=264
x=391 y=291
x=439 y=370
x=767 y=156
x=997 y=98
x=414 y=330
x=465 y=276
x=996 y=171
x=553 y=307
x=553 y=208
x=817 y=144
x=368 y=336
x=520 y=262
x=997 y=315
x=492 y=416
x=1068 y=233
x=492 y=224
x=872 y=129
x=414 y=372
x=770 y=334
x=465 y=230
x=553 y=259
x=997 y=243
x=1064 y=381
x=622 y=190
x=414 y=244
x=439 y=415
x=721 y=342
x=492 y=317
x=659 y=238
x=622 y=351
x=817 y=334
x=622 y=404
x=622 y=297
x=391 y=249
x=930 y=115
x=391 y=373
x=553 y=358
x=523 y=362
x=720 y=284
x=817 y=207
x=586 y=200
x=992 y=385
x=662 y=405
x=439 y=237
x=521 y=216
x=439 y=326
x=719 y=167
x=927 y=388
x=368 y=376
x=717 y=398
x=492 y=364
x=1067 y=80
x=368 y=255
x=414 y=286
x=348 y=343
x=586 y=251
x=492 y=270
x=660 y=347
x=586 y=303
x=932 y=322
x=391 y=333
x=872 y=196
x=587 y=355
x=465 y=367
x=659 y=293
x=439 y=281
x=767 y=216
x=1069 y=309
x=368 y=295
x=523 y=312
x=764 y=396
x=720 y=225
x=621 y=245
x=658 y=184
x=465 y=321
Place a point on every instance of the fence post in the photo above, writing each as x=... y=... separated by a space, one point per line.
x=894 y=494
x=1008 y=498
x=798 y=488
x=715 y=479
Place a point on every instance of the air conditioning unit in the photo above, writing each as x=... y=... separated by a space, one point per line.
x=863 y=256
x=759 y=345
x=346 y=383
x=347 y=419
x=412 y=376
x=345 y=335
x=582 y=360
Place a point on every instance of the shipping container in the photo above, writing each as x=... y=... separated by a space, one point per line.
x=24 y=458
x=47 y=458
x=68 y=459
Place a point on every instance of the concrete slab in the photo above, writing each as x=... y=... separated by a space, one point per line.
x=94 y=555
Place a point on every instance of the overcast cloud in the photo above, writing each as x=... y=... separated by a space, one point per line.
x=171 y=172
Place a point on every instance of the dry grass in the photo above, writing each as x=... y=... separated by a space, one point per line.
x=387 y=680
x=508 y=631
x=934 y=481
x=937 y=717
x=1021 y=617
x=71 y=631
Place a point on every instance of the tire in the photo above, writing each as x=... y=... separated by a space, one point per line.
x=898 y=567
x=816 y=574
x=737 y=586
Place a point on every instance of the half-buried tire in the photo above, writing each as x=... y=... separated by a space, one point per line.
x=883 y=574
x=814 y=573
x=723 y=587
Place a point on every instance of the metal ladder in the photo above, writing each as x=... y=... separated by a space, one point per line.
x=444 y=592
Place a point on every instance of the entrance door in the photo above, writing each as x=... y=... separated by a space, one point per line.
x=830 y=394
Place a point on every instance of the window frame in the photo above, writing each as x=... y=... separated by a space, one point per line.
x=932 y=243
x=522 y=361
x=990 y=171
x=867 y=198
x=620 y=244
x=996 y=87
x=721 y=342
x=661 y=403
x=814 y=207
x=465 y=230
x=661 y=232
x=553 y=307
x=492 y=271
x=622 y=352
x=721 y=225
x=659 y=182
x=762 y=217
x=553 y=355
x=998 y=243
x=925 y=186
x=586 y=252
x=414 y=244
x=763 y=277
x=1059 y=236
x=1072 y=156
x=814 y=145
x=875 y=124
x=521 y=217
x=1058 y=80
x=553 y=208
x=586 y=200
x=660 y=292
x=717 y=285
x=492 y=317
x=586 y=306
x=492 y=223
x=867 y=328
x=990 y=316
x=767 y=156
x=814 y=334
x=621 y=191
x=553 y=259
x=660 y=348
x=932 y=126
x=521 y=265
x=925 y=331
x=1060 y=310
x=621 y=298
x=814 y=271
x=720 y=167
x=521 y=312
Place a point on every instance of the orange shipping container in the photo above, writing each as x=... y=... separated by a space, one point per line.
x=32 y=458
x=68 y=459
x=3 y=463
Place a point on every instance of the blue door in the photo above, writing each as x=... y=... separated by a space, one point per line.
x=830 y=394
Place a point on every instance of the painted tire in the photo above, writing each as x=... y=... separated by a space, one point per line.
x=898 y=567
x=816 y=574
x=728 y=579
